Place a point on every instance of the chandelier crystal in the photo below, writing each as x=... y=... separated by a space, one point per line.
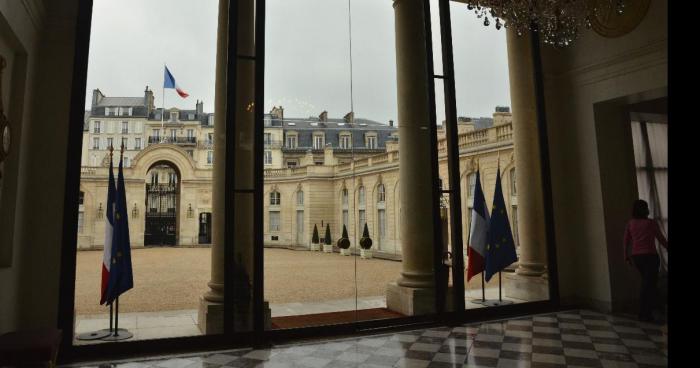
x=557 y=21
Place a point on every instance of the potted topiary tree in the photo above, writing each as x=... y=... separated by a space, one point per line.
x=344 y=243
x=365 y=244
x=315 y=246
x=327 y=243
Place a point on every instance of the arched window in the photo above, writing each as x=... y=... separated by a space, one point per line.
x=345 y=197
x=381 y=193
x=361 y=196
x=274 y=198
x=513 y=190
x=471 y=180
x=300 y=198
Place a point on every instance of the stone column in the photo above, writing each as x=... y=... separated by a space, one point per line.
x=211 y=308
x=414 y=291
x=529 y=281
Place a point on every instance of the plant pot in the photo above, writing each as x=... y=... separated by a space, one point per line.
x=344 y=252
x=328 y=248
x=315 y=247
x=365 y=253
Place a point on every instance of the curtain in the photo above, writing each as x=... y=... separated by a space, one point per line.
x=651 y=161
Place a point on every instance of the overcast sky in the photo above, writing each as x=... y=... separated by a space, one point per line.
x=307 y=56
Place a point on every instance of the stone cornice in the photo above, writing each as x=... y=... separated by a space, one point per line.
x=645 y=57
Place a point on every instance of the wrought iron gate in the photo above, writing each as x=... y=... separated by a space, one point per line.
x=161 y=215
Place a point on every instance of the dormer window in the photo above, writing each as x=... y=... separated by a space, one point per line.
x=371 y=141
x=291 y=140
x=319 y=141
x=345 y=141
x=174 y=116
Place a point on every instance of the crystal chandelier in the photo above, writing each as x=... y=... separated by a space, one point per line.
x=557 y=21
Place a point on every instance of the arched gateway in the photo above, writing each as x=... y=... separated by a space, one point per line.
x=164 y=167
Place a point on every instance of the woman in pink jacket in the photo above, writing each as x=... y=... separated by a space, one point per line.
x=640 y=249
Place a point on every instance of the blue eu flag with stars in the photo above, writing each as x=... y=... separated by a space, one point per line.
x=500 y=247
x=120 y=273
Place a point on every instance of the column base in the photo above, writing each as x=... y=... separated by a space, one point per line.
x=210 y=318
x=528 y=288
x=410 y=301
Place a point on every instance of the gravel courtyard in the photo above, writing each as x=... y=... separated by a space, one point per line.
x=175 y=278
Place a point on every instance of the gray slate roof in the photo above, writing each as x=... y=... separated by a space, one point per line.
x=121 y=101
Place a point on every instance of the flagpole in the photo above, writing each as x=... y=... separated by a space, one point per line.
x=125 y=333
x=162 y=112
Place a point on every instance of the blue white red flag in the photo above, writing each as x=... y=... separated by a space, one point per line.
x=478 y=233
x=109 y=230
x=121 y=276
x=169 y=82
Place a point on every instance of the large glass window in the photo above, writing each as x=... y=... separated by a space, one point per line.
x=165 y=200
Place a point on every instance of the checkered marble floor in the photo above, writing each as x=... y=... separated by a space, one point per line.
x=578 y=338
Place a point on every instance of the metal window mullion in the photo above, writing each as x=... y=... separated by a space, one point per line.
x=258 y=254
x=451 y=133
x=432 y=128
x=230 y=167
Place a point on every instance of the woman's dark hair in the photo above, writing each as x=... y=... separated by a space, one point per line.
x=640 y=209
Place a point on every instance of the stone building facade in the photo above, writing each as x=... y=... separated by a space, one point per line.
x=318 y=171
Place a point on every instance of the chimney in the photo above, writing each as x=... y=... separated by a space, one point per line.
x=391 y=123
x=349 y=117
x=97 y=96
x=148 y=101
x=277 y=112
x=324 y=116
x=199 y=108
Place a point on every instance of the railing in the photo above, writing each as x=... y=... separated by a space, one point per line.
x=172 y=140
x=88 y=170
x=272 y=144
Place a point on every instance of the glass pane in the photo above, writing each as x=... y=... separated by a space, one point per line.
x=157 y=231
x=398 y=248
x=309 y=139
x=487 y=149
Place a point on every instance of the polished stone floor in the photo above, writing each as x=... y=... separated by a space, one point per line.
x=578 y=338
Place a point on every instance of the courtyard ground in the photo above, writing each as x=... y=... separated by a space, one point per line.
x=174 y=278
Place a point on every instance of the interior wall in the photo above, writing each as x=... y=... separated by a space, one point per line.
x=594 y=69
x=30 y=285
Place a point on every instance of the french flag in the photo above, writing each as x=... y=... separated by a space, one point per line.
x=109 y=230
x=169 y=82
x=478 y=235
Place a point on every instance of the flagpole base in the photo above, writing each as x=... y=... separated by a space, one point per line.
x=121 y=334
x=95 y=335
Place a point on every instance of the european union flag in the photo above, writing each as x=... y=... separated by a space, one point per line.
x=120 y=273
x=500 y=248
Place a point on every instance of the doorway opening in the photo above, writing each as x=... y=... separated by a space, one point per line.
x=162 y=205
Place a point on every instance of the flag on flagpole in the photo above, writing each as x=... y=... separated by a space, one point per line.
x=478 y=232
x=169 y=82
x=500 y=248
x=109 y=226
x=121 y=274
